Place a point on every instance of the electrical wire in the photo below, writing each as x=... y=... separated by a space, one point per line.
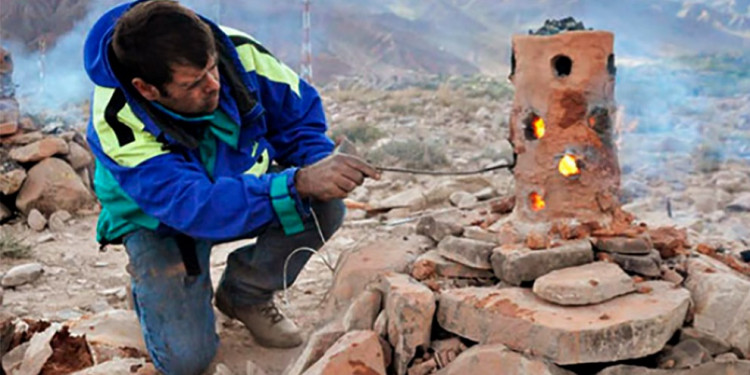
x=444 y=173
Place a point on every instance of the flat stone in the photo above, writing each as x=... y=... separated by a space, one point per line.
x=11 y=181
x=686 y=354
x=78 y=157
x=23 y=274
x=471 y=253
x=24 y=138
x=53 y=185
x=432 y=263
x=358 y=268
x=363 y=311
x=112 y=328
x=409 y=308
x=39 y=150
x=39 y=351
x=462 y=199
x=36 y=220
x=357 y=352
x=486 y=193
x=114 y=366
x=631 y=326
x=740 y=204
x=721 y=300
x=584 y=285
x=12 y=360
x=411 y=198
x=714 y=345
x=437 y=230
x=646 y=265
x=711 y=368
x=515 y=265
x=624 y=245
x=443 y=190
x=488 y=359
x=479 y=234
x=8 y=128
x=317 y=345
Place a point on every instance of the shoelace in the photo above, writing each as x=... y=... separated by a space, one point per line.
x=270 y=311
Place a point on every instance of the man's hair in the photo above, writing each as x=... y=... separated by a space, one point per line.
x=154 y=35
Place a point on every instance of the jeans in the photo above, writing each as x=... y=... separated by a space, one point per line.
x=175 y=309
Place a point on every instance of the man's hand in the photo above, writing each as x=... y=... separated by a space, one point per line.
x=333 y=177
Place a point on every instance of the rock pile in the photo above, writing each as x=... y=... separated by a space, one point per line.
x=454 y=299
x=42 y=169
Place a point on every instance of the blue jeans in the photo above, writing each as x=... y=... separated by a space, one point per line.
x=175 y=309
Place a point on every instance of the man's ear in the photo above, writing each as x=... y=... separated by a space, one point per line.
x=147 y=90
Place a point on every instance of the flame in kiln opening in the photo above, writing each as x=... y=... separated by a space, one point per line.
x=537 y=202
x=568 y=166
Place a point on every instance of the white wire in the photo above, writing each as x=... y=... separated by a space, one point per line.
x=326 y=261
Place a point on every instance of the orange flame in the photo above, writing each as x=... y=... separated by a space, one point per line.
x=568 y=166
x=537 y=202
x=539 y=128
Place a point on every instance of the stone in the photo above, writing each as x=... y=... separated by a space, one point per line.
x=23 y=274
x=114 y=366
x=12 y=360
x=584 y=285
x=669 y=241
x=731 y=181
x=671 y=275
x=740 y=204
x=78 y=157
x=409 y=307
x=8 y=128
x=39 y=150
x=711 y=368
x=411 y=198
x=485 y=194
x=471 y=253
x=24 y=138
x=5 y=212
x=432 y=263
x=53 y=185
x=443 y=190
x=515 y=265
x=538 y=241
x=488 y=359
x=462 y=199
x=623 y=245
x=381 y=325
x=357 y=352
x=721 y=302
x=714 y=345
x=686 y=354
x=222 y=369
x=631 y=326
x=112 y=328
x=363 y=311
x=36 y=220
x=252 y=369
x=437 y=230
x=358 y=268
x=11 y=181
x=727 y=357
x=317 y=345
x=39 y=351
x=479 y=234
x=58 y=220
x=646 y=265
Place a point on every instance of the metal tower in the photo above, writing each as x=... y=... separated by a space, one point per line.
x=306 y=70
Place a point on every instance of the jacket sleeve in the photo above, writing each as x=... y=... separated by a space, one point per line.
x=177 y=192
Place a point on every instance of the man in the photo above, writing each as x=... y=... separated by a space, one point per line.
x=186 y=118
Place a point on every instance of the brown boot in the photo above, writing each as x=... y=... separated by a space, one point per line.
x=267 y=324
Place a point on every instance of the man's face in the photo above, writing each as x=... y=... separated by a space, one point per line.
x=192 y=90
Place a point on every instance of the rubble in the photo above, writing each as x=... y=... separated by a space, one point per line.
x=23 y=274
x=357 y=352
x=488 y=359
x=53 y=185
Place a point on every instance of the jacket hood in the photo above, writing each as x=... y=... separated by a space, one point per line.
x=95 y=59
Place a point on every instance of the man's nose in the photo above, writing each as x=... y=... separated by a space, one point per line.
x=212 y=82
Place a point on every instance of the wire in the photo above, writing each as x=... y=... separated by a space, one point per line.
x=444 y=173
x=326 y=261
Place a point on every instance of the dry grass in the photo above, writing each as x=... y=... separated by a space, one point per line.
x=11 y=247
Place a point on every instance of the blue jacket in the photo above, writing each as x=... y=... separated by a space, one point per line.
x=215 y=188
